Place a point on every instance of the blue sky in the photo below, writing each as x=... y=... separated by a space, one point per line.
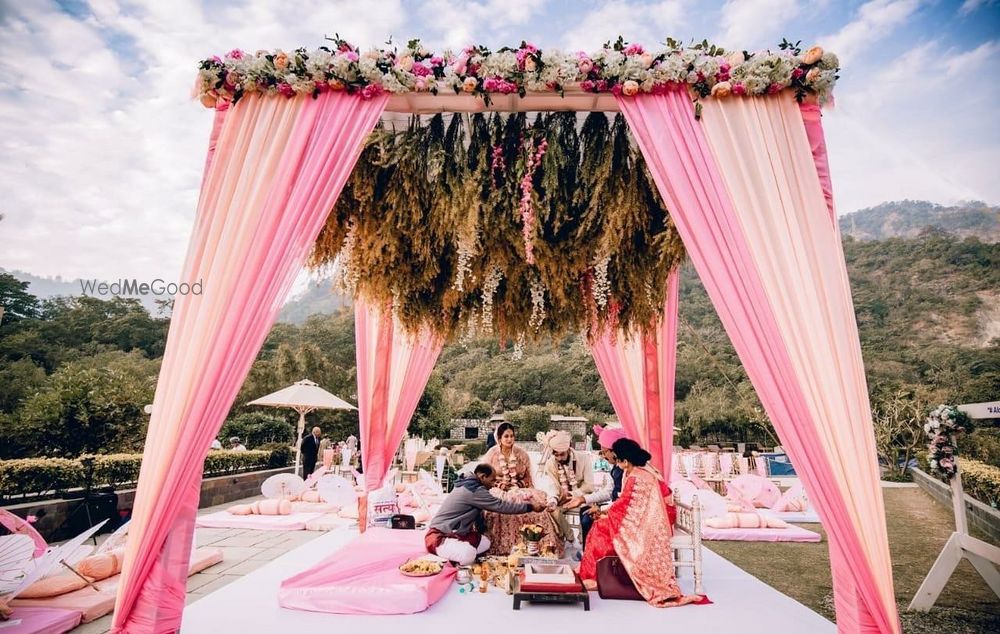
x=102 y=148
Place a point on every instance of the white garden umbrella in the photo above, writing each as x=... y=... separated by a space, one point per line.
x=304 y=397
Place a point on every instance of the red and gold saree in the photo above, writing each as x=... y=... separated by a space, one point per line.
x=637 y=529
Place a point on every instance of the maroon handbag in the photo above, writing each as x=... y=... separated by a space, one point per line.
x=613 y=581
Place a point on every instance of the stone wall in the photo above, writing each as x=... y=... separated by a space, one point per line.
x=980 y=516
x=53 y=514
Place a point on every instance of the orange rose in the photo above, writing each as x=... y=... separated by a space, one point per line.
x=812 y=75
x=630 y=87
x=722 y=89
x=281 y=61
x=813 y=55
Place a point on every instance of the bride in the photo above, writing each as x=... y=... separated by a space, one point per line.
x=514 y=483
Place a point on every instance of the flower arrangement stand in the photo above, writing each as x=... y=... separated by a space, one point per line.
x=985 y=558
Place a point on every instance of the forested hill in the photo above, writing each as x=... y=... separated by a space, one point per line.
x=909 y=218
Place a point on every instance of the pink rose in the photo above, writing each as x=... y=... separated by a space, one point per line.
x=420 y=70
x=351 y=56
x=420 y=85
x=647 y=60
x=437 y=60
x=585 y=65
x=235 y=54
x=616 y=90
x=461 y=65
x=286 y=89
x=813 y=55
x=722 y=89
x=634 y=49
x=371 y=90
x=812 y=75
x=735 y=59
x=232 y=80
x=774 y=88
x=586 y=85
x=739 y=89
x=798 y=72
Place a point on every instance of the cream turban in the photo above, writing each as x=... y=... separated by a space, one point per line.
x=556 y=440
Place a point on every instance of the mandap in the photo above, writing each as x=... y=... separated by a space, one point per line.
x=453 y=212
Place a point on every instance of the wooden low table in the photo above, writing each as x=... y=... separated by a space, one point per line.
x=549 y=597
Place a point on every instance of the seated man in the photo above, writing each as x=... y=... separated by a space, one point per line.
x=606 y=437
x=236 y=445
x=456 y=533
x=568 y=477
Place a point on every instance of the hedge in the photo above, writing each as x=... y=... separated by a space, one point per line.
x=38 y=477
x=981 y=481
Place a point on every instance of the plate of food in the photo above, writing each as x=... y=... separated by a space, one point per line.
x=421 y=568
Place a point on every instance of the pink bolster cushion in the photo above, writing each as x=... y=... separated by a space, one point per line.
x=52 y=587
x=745 y=520
x=102 y=566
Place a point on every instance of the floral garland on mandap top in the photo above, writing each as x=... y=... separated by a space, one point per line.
x=618 y=68
x=944 y=425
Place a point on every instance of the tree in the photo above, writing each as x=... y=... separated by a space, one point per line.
x=92 y=406
x=16 y=302
x=898 y=419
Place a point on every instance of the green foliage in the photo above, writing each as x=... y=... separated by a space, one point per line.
x=983 y=445
x=474 y=449
x=34 y=477
x=255 y=429
x=530 y=420
x=281 y=455
x=38 y=475
x=93 y=405
x=981 y=481
x=114 y=470
x=16 y=303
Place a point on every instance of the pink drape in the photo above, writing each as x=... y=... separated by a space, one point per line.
x=638 y=370
x=277 y=168
x=743 y=189
x=393 y=368
x=812 y=120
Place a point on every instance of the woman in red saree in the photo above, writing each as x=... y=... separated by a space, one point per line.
x=637 y=528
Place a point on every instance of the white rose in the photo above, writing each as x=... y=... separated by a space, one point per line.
x=646 y=59
x=405 y=63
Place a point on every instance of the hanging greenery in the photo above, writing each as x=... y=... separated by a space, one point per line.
x=504 y=225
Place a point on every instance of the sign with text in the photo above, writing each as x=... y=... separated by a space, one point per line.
x=982 y=410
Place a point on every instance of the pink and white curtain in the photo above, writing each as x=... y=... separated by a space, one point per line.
x=744 y=190
x=274 y=172
x=393 y=368
x=638 y=370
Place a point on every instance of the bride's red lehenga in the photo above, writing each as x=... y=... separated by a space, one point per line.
x=637 y=528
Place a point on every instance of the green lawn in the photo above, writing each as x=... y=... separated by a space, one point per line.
x=918 y=528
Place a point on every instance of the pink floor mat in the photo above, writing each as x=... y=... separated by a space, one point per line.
x=790 y=534
x=93 y=605
x=40 y=621
x=363 y=578
x=224 y=519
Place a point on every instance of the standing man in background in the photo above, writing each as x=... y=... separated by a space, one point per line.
x=310 y=451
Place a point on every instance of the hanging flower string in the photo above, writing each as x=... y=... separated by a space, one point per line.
x=944 y=425
x=619 y=68
x=490 y=286
x=527 y=206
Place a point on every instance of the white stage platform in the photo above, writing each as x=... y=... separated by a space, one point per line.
x=250 y=606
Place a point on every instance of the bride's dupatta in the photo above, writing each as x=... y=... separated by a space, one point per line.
x=642 y=532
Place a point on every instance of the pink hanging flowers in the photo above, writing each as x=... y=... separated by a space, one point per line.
x=527 y=205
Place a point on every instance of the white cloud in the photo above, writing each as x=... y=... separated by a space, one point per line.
x=971 y=6
x=103 y=150
x=455 y=24
x=646 y=24
x=874 y=21
x=905 y=133
x=754 y=24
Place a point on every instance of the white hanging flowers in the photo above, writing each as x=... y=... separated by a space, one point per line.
x=466 y=250
x=346 y=276
x=602 y=285
x=518 y=352
x=490 y=285
x=537 y=304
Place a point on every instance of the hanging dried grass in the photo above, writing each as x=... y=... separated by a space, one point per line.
x=436 y=227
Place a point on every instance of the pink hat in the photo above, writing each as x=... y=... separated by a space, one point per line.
x=606 y=436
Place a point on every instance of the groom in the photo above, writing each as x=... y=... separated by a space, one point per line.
x=310 y=451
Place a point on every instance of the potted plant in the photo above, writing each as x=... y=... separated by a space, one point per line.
x=532 y=534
